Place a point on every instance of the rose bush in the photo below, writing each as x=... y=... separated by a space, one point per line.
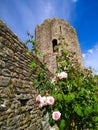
x=75 y=93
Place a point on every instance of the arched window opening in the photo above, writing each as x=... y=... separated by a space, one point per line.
x=54 y=44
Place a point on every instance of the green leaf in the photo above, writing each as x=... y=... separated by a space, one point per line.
x=65 y=52
x=65 y=43
x=67 y=115
x=35 y=82
x=69 y=97
x=61 y=83
x=78 y=110
x=41 y=76
x=40 y=54
x=88 y=110
x=95 y=118
x=30 y=41
x=28 y=53
x=64 y=63
x=96 y=107
x=62 y=124
x=59 y=97
x=32 y=64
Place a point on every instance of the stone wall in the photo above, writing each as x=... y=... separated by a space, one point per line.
x=59 y=31
x=18 y=109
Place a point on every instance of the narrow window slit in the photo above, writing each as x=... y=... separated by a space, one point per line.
x=60 y=30
x=54 y=45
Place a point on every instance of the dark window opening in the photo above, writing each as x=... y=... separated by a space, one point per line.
x=23 y=102
x=60 y=30
x=54 y=44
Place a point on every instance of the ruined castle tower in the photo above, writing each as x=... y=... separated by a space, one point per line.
x=49 y=34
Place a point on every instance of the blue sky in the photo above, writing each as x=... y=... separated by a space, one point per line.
x=23 y=15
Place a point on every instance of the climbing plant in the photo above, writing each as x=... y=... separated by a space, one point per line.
x=70 y=97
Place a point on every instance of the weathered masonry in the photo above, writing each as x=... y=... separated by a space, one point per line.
x=52 y=32
x=18 y=108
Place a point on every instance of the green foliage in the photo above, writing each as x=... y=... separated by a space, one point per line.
x=31 y=41
x=32 y=64
x=78 y=110
x=62 y=124
x=35 y=82
x=76 y=96
x=59 y=97
x=28 y=53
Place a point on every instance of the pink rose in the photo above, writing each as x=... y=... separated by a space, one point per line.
x=40 y=105
x=62 y=75
x=50 y=100
x=56 y=115
x=43 y=100
x=38 y=98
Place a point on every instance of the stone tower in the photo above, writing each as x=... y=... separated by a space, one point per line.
x=49 y=34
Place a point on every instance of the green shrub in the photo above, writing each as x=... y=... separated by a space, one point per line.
x=76 y=96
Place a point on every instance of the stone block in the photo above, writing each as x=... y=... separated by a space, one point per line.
x=4 y=81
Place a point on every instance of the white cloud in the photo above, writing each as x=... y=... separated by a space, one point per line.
x=83 y=55
x=90 y=51
x=91 y=58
